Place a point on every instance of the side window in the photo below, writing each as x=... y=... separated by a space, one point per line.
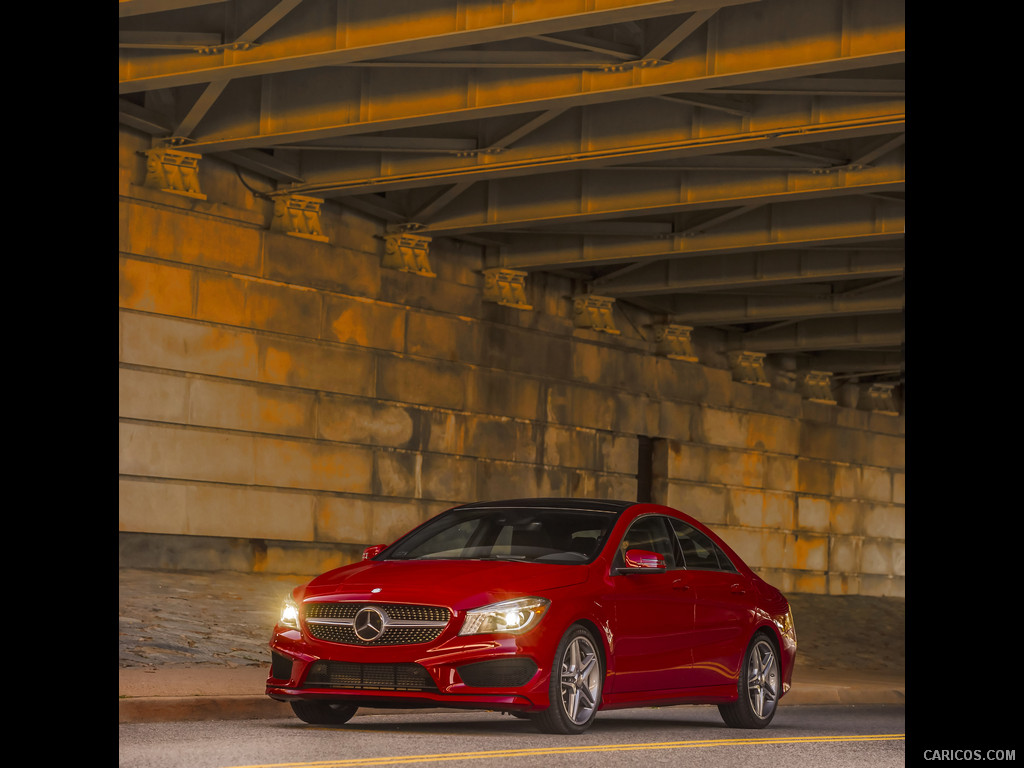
x=652 y=534
x=698 y=551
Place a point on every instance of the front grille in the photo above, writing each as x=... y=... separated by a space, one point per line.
x=375 y=677
x=401 y=624
x=394 y=610
x=500 y=673
x=347 y=635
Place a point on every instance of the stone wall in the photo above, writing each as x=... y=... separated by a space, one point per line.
x=285 y=402
x=810 y=495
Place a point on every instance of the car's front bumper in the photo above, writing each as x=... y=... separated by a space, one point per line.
x=481 y=671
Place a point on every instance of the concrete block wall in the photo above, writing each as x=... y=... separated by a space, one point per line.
x=809 y=495
x=286 y=402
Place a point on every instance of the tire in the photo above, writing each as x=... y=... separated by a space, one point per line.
x=577 y=677
x=758 y=686
x=323 y=712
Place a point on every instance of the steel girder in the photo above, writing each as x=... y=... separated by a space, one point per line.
x=818 y=222
x=736 y=164
x=652 y=135
x=318 y=34
x=730 y=309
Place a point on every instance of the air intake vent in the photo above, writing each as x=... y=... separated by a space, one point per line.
x=502 y=673
x=375 y=677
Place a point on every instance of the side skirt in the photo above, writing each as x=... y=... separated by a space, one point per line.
x=711 y=694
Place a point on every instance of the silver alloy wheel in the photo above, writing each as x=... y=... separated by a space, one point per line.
x=581 y=680
x=762 y=678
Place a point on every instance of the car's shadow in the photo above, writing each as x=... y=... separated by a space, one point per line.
x=502 y=726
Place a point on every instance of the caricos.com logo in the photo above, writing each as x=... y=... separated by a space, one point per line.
x=970 y=754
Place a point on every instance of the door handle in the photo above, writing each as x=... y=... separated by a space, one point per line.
x=737 y=589
x=680 y=585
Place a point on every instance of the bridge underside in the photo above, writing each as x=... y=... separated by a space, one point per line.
x=735 y=165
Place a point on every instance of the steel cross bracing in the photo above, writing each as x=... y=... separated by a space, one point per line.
x=727 y=164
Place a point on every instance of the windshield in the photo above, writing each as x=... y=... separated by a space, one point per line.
x=530 y=535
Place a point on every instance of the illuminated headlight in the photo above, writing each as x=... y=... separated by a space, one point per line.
x=289 y=614
x=511 y=616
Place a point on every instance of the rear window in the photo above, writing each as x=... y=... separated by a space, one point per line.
x=699 y=552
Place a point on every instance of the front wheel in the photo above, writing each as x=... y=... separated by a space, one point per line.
x=323 y=712
x=758 y=687
x=576 y=680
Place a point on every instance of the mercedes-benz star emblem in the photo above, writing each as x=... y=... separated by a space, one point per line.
x=369 y=624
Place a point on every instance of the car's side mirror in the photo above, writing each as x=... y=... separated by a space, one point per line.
x=642 y=561
x=371 y=552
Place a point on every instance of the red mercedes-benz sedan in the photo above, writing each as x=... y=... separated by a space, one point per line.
x=550 y=609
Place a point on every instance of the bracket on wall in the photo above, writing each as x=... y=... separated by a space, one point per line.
x=506 y=287
x=817 y=386
x=748 y=367
x=673 y=341
x=880 y=398
x=298 y=216
x=594 y=312
x=172 y=170
x=407 y=252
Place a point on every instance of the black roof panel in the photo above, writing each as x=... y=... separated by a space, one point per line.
x=591 y=505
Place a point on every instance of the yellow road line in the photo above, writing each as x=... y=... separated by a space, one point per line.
x=571 y=750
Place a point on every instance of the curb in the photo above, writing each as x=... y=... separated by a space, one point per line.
x=163 y=709
x=869 y=693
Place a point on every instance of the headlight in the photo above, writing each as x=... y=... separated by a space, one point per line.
x=289 y=613
x=513 y=616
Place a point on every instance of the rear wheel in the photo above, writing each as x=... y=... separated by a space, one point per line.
x=758 y=687
x=576 y=680
x=323 y=712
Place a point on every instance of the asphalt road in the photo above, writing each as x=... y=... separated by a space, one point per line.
x=869 y=736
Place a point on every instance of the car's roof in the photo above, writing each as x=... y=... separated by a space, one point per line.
x=589 y=505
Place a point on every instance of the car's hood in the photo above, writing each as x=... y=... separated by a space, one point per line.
x=458 y=584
